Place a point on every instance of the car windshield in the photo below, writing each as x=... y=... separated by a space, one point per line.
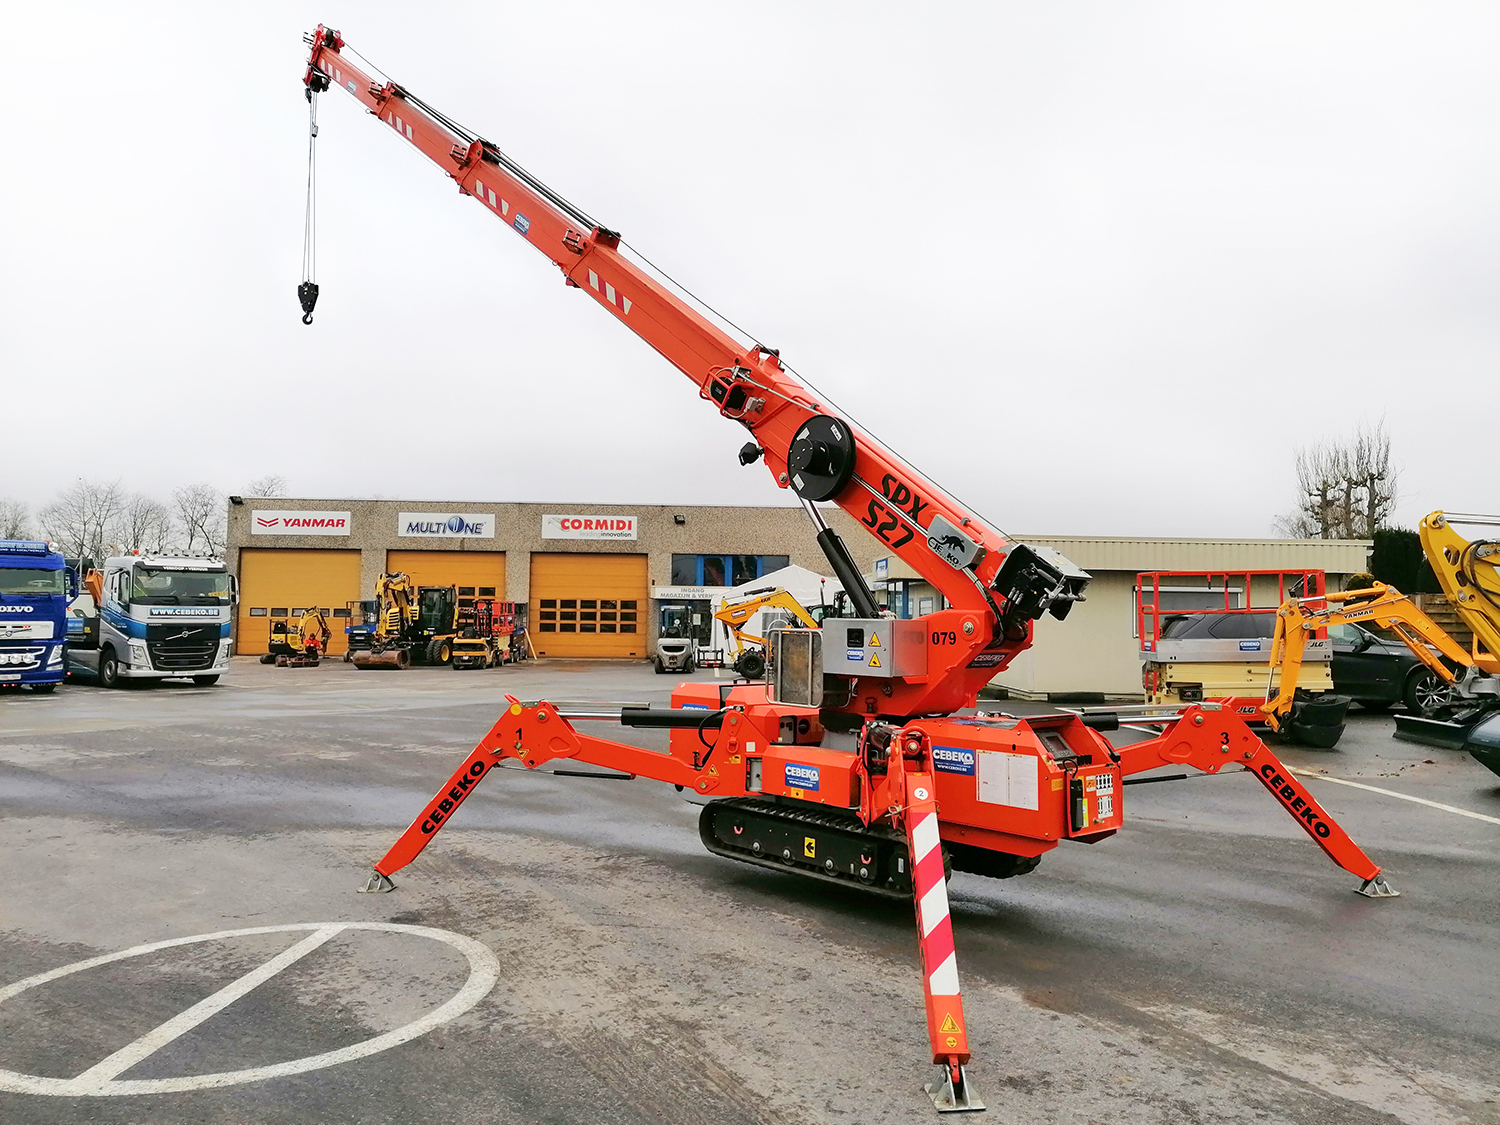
x=33 y=582
x=157 y=586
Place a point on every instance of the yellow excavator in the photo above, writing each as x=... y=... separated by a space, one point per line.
x=302 y=646
x=1468 y=716
x=750 y=649
x=412 y=624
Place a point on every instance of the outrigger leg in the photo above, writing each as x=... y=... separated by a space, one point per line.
x=945 y=1004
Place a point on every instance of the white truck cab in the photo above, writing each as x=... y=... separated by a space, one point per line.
x=160 y=617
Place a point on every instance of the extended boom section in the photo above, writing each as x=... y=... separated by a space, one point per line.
x=857 y=773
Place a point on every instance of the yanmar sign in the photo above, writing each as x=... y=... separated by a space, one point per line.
x=299 y=523
x=590 y=527
x=446 y=525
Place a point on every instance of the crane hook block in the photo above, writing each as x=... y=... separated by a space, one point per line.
x=307 y=293
x=821 y=458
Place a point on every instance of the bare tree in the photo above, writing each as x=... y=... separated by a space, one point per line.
x=270 y=485
x=200 y=512
x=1345 y=489
x=15 y=520
x=146 y=526
x=83 y=519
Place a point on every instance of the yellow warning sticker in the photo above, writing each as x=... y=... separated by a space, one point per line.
x=874 y=660
x=810 y=847
x=874 y=640
x=950 y=1025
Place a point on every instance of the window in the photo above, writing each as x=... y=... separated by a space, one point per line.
x=723 y=570
x=336 y=613
x=549 y=603
x=570 y=603
x=278 y=611
x=1244 y=626
x=486 y=591
x=258 y=611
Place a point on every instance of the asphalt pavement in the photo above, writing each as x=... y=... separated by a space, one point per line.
x=566 y=951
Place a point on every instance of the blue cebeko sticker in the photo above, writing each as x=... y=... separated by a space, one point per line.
x=1249 y=646
x=694 y=707
x=801 y=777
x=521 y=223
x=953 y=759
x=854 y=654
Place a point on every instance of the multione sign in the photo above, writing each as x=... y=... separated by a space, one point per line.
x=446 y=525
x=299 y=523
x=590 y=527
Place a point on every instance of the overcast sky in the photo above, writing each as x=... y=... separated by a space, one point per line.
x=1096 y=268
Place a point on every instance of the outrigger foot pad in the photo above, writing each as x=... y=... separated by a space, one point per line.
x=950 y=1097
x=381 y=884
x=1377 y=888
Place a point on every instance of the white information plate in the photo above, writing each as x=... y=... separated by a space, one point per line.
x=1008 y=779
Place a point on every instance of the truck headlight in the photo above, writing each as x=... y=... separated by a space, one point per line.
x=54 y=657
x=138 y=654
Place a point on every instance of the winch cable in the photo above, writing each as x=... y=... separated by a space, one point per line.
x=307 y=292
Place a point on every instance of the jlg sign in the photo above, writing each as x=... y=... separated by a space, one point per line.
x=589 y=527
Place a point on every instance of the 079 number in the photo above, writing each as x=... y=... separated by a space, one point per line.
x=945 y=637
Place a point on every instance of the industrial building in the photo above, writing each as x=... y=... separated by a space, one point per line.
x=588 y=574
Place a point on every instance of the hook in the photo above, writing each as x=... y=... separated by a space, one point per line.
x=307 y=318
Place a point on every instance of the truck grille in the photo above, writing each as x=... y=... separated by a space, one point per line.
x=20 y=659
x=182 y=648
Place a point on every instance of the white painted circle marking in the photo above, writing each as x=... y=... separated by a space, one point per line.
x=919 y=793
x=100 y=1081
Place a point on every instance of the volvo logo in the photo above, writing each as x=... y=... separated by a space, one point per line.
x=17 y=609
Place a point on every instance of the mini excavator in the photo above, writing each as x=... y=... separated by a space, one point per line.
x=302 y=645
x=750 y=659
x=849 y=765
x=1467 y=714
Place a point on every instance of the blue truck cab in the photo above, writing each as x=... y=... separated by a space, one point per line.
x=35 y=585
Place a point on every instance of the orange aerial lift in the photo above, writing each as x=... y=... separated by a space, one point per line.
x=849 y=765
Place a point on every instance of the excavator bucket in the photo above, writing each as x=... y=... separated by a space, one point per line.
x=390 y=658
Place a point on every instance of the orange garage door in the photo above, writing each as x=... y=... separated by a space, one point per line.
x=477 y=574
x=284 y=582
x=589 y=605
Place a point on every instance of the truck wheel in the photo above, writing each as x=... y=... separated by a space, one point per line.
x=439 y=650
x=43 y=689
x=109 y=669
x=205 y=681
x=751 y=664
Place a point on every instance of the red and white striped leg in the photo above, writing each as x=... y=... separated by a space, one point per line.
x=945 y=1005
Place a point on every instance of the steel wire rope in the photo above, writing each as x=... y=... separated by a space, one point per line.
x=310 y=214
x=578 y=213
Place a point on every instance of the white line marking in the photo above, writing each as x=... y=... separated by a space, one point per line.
x=484 y=971
x=1398 y=796
x=924 y=838
x=179 y=1025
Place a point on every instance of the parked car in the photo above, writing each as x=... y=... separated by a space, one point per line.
x=1377 y=673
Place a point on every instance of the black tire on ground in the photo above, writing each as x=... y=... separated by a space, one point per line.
x=1374 y=706
x=661 y=669
x=1320 y=738
x=751 y=664
x=206 y=681
x=268 y=658
x=348 y=655
x=439 y=650
x=43 y=689
x=109 y=669
x=1424 y=691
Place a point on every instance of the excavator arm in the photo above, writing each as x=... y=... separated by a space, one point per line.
x=1379 y=605
x=1469 y=573
x=735 y=615
x=995 y=587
